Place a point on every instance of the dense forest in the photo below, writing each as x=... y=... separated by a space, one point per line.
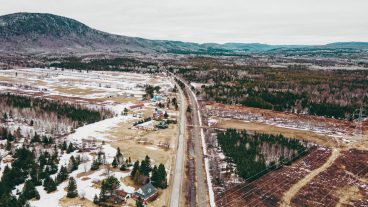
x=33 y=169
x=256 y=154
x=113 y=64
x=74 y=112
x=330 y=93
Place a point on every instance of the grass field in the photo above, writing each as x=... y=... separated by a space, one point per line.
x=264 y=128
x=77 y=91
x=66 y=202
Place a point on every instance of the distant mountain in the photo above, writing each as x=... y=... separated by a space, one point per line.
x=354 y=45
x=34 y=33
x=47 y=33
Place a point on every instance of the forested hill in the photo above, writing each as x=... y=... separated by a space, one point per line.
x=39 y=33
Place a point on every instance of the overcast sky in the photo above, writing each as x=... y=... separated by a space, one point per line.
x=264 y=21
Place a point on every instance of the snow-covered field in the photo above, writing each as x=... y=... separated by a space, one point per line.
x=112 y=90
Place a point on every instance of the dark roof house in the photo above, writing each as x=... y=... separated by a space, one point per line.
x=148 y=192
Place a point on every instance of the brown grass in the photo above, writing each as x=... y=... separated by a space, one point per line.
x=76 y=91
x=130 y=182
x=121 y=99
x=264 y=128
x=65 y=202
x=82 y=174
x=126 y=140
x=347 y=194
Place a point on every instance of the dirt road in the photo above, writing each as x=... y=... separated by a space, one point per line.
x=288 y=195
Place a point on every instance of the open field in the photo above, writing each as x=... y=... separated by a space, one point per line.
x=333 y=175
x=341 y=130
x=135 y=151
x=270 y=129
x=111 y=91
x=66 y=202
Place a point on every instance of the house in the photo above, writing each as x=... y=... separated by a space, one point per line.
x=149 y=126
x=157 y=114
x=8 y=159
x=137 y=106
x=147 y=193
x=111 y=94
x=120 y=196
x=156 y=98
x=162 y=125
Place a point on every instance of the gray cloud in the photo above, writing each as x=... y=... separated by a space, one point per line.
x=266 y=21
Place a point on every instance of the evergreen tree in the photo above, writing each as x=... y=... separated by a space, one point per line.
x=8 y=145
x=155 y=179
x=102 y=197
x=161 y=172
x=145 y=167
x=95 y=199
x=64 y=146
x=70 y=148
x=135 y=169
x=72 y=188
x=114 y=163
x=62 y=175
x=29 y=191
x=73 y=164
x=95 y=165
x=123 y=167
x=139 y=203
x=110 y=184
x=35 y=174
x=49 y=185
x=119 y=156
x=7 y=200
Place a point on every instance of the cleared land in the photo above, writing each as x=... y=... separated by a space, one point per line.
x=270 y=129
x=295 y=188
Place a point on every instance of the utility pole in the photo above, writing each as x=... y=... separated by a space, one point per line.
x=359 y=125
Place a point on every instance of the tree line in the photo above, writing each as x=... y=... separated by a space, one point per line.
x=247 y=151
x=74 y=112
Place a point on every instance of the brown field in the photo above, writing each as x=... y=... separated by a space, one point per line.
x=269 y=189
x=76 y=91
x=337 y=184
x=6 y=78
x=66 y=202
x=120 y=99
x=265 y=128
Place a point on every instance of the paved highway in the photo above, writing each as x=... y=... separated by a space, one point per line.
x=179 y=164
x=200 y=171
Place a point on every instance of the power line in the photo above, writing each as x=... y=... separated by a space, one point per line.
x=257 y=175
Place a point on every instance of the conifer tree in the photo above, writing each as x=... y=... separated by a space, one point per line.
x=139 y=203
x=114 y=163
x=95 y=199
x=155 y=177
x=29 y=191
x=135 y=168
x=102 y=197
x=62 y=175
x=95 y=165
x=161 y=172
x=49 y=185
x=70 y=148
x=72 y=188
x=64 y=146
